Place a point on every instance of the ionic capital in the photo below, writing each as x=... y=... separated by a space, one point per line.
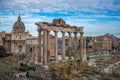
x=55 y=31
x=62 y=32
x=75 y=33
x=69 y=33
x=81 y=33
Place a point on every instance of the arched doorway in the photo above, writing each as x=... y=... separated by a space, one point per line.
x=20 y=48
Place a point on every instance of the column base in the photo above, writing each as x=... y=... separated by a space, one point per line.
x=39 y=64
x=64 y=60
x=45 y=67
x=56 y=62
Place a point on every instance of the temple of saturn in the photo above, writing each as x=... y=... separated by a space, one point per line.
x=57 y=25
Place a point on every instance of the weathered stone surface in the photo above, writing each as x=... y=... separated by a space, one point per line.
x=56 y=26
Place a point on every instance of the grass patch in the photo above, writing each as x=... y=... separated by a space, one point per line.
x=5 y=66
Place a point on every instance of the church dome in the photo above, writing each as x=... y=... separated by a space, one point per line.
x=19 y=25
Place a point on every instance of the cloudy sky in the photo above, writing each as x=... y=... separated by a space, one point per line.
x=96 y=16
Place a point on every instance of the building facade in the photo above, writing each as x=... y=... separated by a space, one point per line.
x=15 y=41
x=104 y=43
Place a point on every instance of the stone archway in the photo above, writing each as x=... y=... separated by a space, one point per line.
x=30 y=50
x=20 y=48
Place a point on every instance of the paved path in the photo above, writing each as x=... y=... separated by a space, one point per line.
x=112 y=67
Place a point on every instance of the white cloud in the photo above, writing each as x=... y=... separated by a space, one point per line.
x=53 y=5
x=91 y=22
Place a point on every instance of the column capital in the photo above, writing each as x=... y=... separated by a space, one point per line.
x=55 y=31
x=39 y=30
x=48 y=31
x=69 y=32
x=75 y=32
x=63 y=32
x=44 y=29
x=81 y=32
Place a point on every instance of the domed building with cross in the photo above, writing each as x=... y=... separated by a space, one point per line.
x=15 y=41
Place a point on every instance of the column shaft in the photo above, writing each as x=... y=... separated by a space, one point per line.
x=48 y=45
x=70 y=45
x=84 y=54
x=45 y=47
x=75 y=33
x=33 y=53
x=56 y=45
x=81 y=45
x=39 y=46
x=63 y=45
x=27 y=53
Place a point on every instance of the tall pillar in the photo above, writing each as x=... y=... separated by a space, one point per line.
x=70 y=45
x=56 y=45
x=35 y=55
x=81 y=44
x=39 y=46
x=33 y=52
x=84 y=54
x=48 y=45
x=63 y=45
x=75 y=34
x=27 y=53
x=45 y=47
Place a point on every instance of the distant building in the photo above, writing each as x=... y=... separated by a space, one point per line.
x=15 y=41
x=103 y=43
x=19 y=41
x=2 y=34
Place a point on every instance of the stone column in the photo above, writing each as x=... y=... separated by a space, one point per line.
x=45 y=47
x=48 y=45
x=81 y=44
x=27 y=52
x=69 y=42
x=33 y=54
x=63 y=45
x=39 y=46
x=70 y=45
x=56 y=46
x=75 y=34
x=84 y=54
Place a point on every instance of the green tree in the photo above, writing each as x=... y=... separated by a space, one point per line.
x=88 y=39
x=3 y=51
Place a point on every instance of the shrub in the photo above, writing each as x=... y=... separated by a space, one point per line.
x=3 y=51
x=25 y=67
